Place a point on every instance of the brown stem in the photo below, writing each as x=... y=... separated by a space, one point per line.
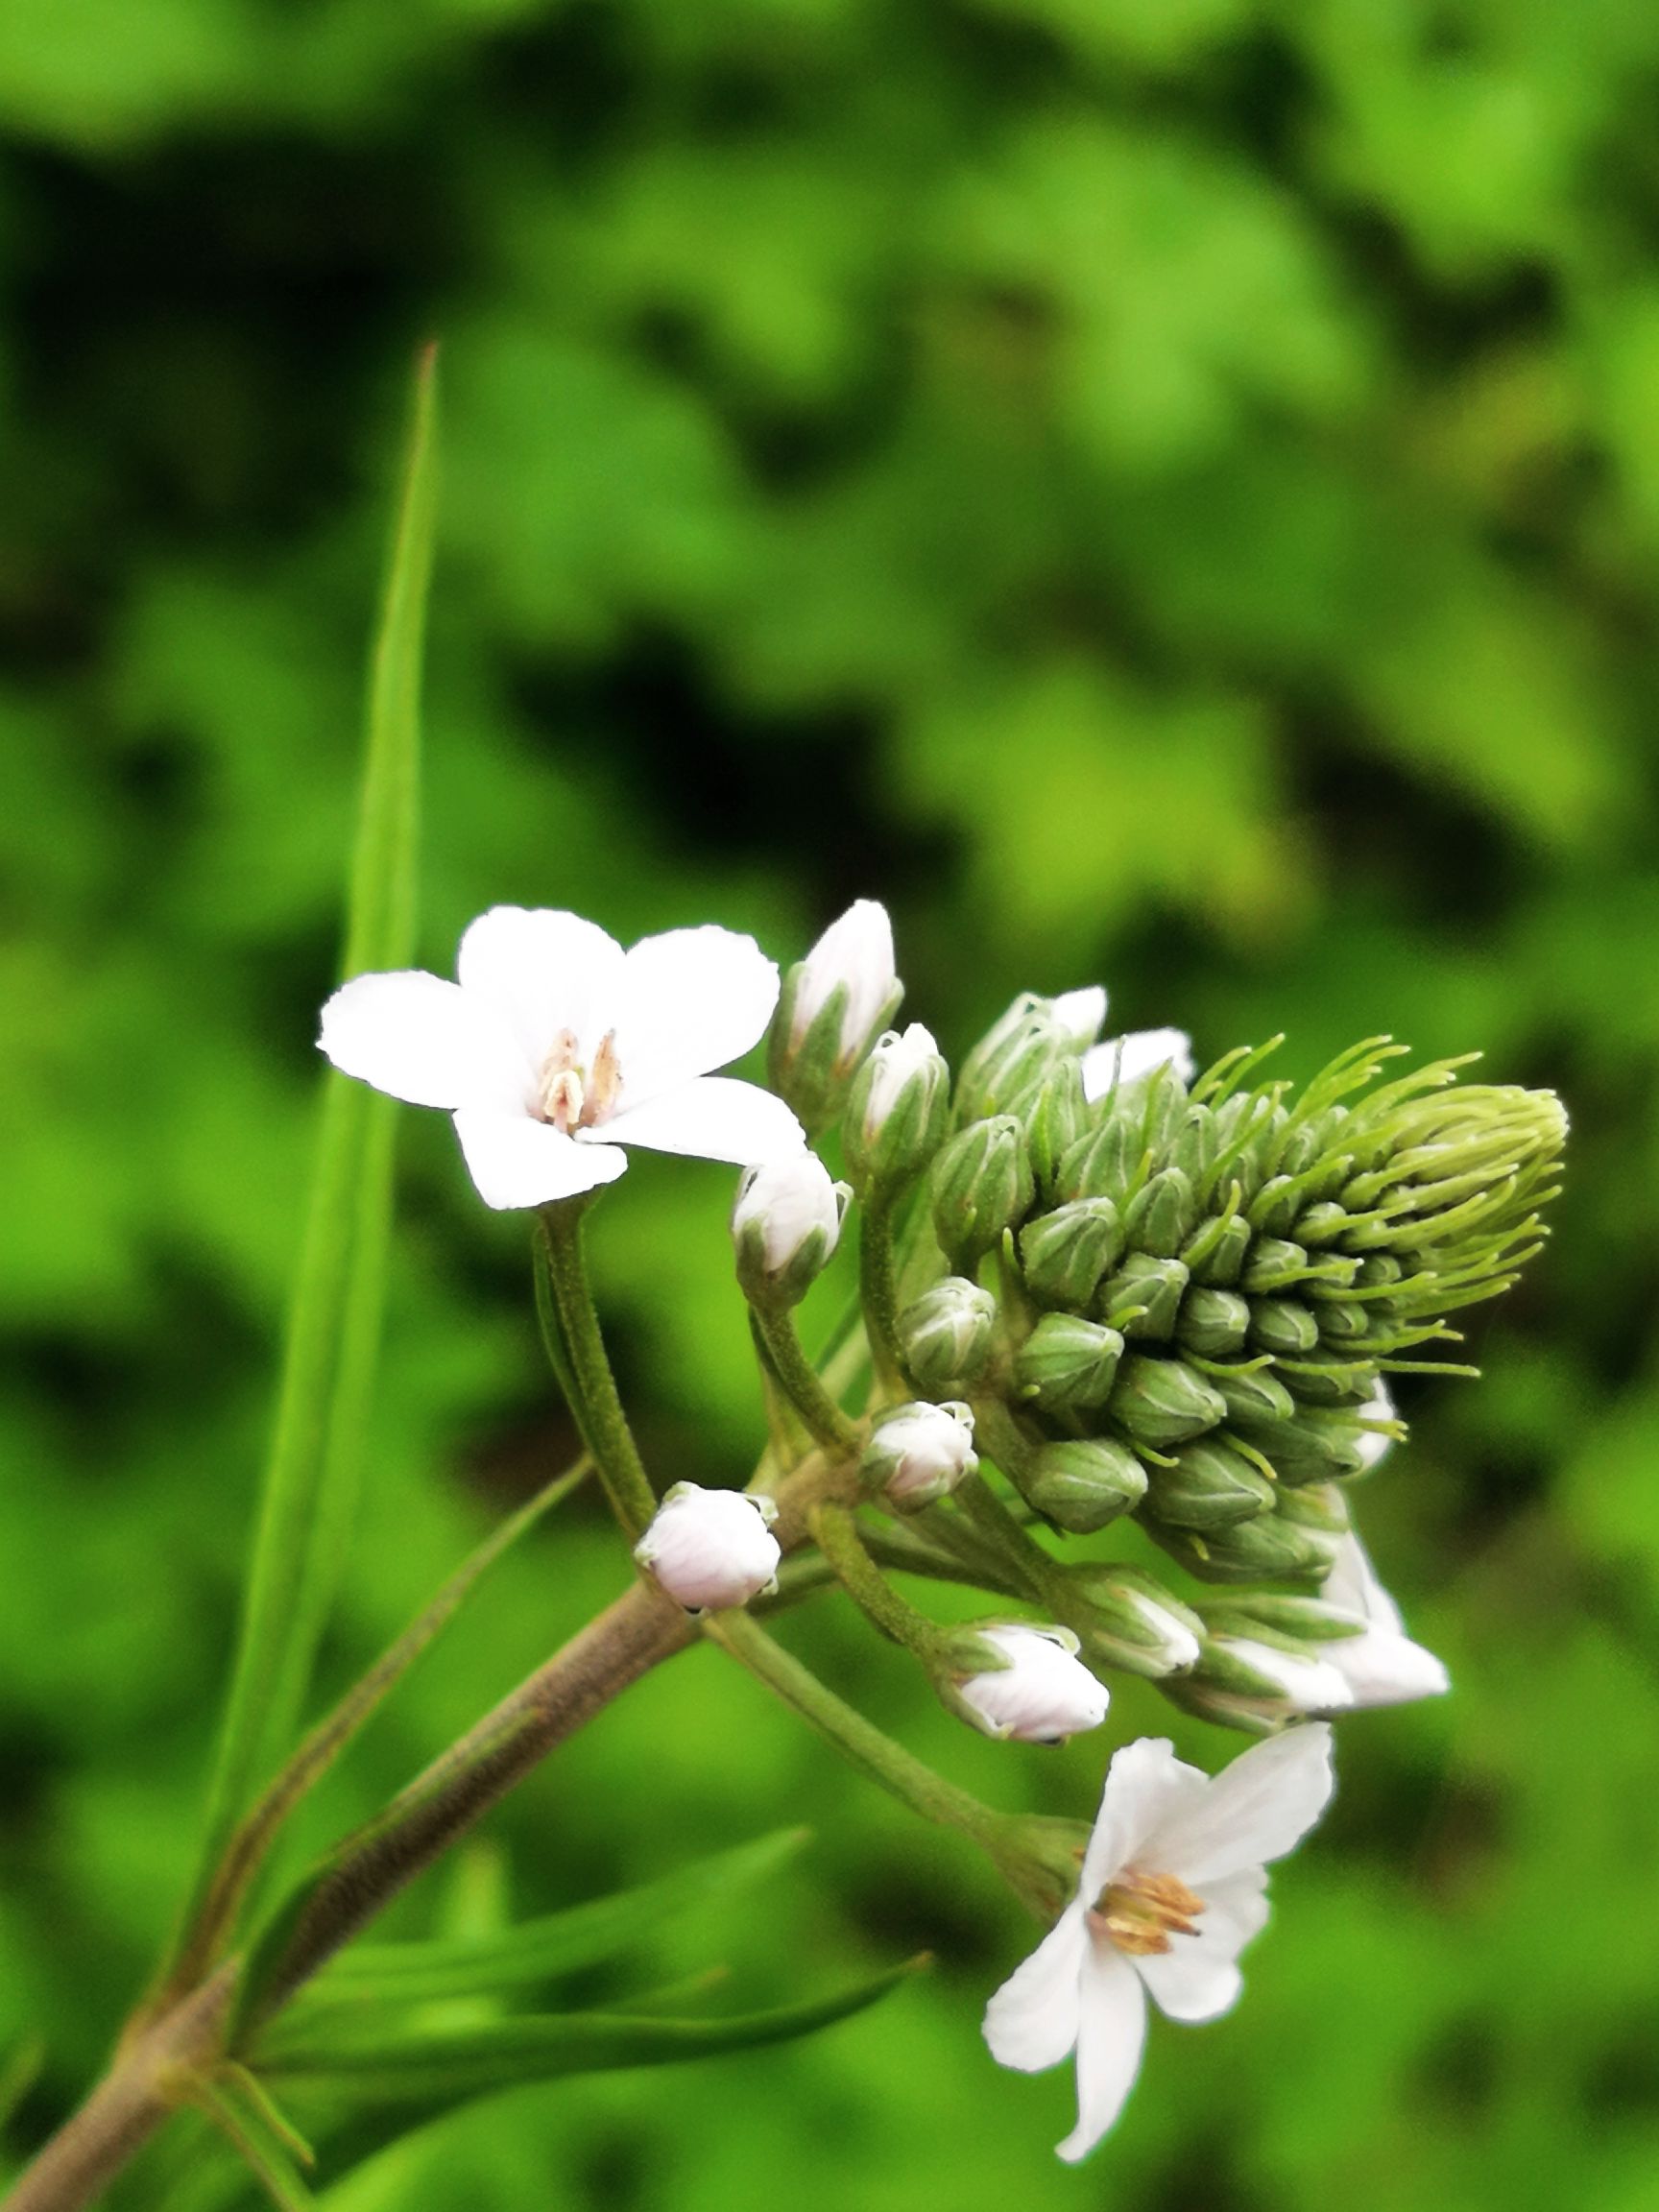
x=128 y=2105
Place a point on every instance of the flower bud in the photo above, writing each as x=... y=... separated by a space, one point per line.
x=1216 y=1249
x=1163 y=1402
x=1285 y=1327
x=1127 y=1619
x=945 y=1335
x=1253 y=1396
x=1162 y=1216
x=1122 y=1060
x=1063 y=1255
x=1066 y=1363
x=1209 y=1486
x=899 y=1109
x=1320 y=1444
x=1083 y=1483
x=1144 y=1298
x=1374 y=1443
x=1246 y=1682
x=982 y=1188
x=1213 y=1323
x=919 y=1453
x=785 y=1224
x=1041 y=1694
x=711 y=1548
x=1055 y=1115
x=1013 y=1057
x=832 y=1006
x=1274 y=1263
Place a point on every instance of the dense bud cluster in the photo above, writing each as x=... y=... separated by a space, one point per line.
x=1206 y=1285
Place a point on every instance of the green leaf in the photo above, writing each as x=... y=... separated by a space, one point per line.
x=438 y=2071
x=334 y=1322
x=539 y=1951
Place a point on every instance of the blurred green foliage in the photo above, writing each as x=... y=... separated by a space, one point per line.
x=1163 y=489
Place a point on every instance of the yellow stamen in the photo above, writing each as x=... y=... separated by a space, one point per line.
x=571 y=1096
x=1139 y=1913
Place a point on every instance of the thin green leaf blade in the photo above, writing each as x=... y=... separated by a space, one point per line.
x=438 y=2071
x=334 y=1319
x=537 y=1952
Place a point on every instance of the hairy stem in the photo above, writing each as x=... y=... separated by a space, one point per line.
x=803 y=1386
x=585 y=1368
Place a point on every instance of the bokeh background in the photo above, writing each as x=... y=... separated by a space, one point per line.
x=1165 y=491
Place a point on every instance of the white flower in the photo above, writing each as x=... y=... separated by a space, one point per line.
x=787 y=1201
x=1173 y=1887
x=1381 y=1665
x=895 y=1058
x=919 y=1453
x=1125 y=1059
x=854 y=953
x=1080 y=1014
x=709 y=1549
x=554 y=1046
x=1043 y=1695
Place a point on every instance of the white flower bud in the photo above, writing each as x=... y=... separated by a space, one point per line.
x=919 y=1453
x=1173 y=1646
x=857 y=955
x=785 y=1224
x=1079 y=1015
x=1293 y=1683
x=711 y=1548
x=1373 y=1446
x=895 y=1059
x=1043 y=1695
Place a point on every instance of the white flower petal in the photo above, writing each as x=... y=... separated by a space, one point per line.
x=715 y=1117
x=1032 y=2020
x=1352 y=1583
x=515 y=1161
x=1080 y=1014
x=1110 y=2036
x=691 y=1001
x=1382 y=1668
x=423 y=1041
x=1125 y=1059
x=1145 y=1786
x=1255 y=1810
x=1198 y=1978
x=546 y=971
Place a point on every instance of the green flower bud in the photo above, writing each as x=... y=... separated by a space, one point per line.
x=898 y=1110
x=1253 y=1395
x=1283 y=1327
x=1322 y=1224
x=1153 y=1286
x=1127 y=1619
x=1213 y=1323
x=1067 y=1364
x=1102 y=1162
x=982 y=1188
x=1257 y=1683
x=1342 y=1323
x=1274 y=1264
x=1083 y=1483
x=1019 y=1052
x=1063 y=1255
x=832 y=1006
x=1329 y=1382
x=1160 y=1218
x=1216 y=1250
x=1270 y=1549
x=1209 y=1486
x=1056 y=1117
x=1317 y=1446
x=1163 y=1402
x=945 y=1335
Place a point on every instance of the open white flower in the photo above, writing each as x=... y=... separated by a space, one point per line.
x=1125 y=1059
x=1381 y=1666
x=1173 y=1887
x=554 y=1046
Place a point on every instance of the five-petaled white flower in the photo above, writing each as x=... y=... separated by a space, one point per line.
x=1173 y=1887
x=554 y=1046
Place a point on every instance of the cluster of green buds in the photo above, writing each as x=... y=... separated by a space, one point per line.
x=1156 y=1297
x=1179 y=1300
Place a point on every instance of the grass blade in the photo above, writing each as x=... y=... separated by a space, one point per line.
x=334 y=1320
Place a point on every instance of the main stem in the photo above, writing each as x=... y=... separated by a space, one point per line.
x=634 y=1634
